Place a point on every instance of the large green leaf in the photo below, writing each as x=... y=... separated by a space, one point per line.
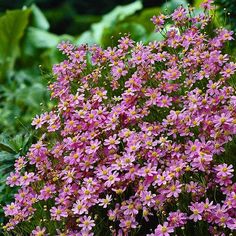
x=41 y=38
x=197 y=3
x=136 y=31
x=170 y=6
x=144 y=18
x=16 y=145
x=6 y=157
x=12 y=26
x=110 y=19
x=38 y=18
x=155 y=36
x=6 y=146
x=4 y=168
x=85 y=38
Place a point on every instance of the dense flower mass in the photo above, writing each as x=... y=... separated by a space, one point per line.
x=135 y=137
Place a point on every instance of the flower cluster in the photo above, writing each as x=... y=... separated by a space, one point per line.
x=135 y=137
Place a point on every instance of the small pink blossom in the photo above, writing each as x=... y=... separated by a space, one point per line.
x=87 y=223
x=58 y=212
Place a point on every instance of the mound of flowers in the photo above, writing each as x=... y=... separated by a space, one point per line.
x=133 y=145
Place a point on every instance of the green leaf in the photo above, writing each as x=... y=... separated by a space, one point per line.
x=197 y=3
x=12 y=27
x=6 y=156
x=85 y=38
x=4 y=167
x=41 y=38
x=66 y=37
x=155 y=36
x=137 y=32
x=170 y=6
x=144 y=18
x=17 y=142
x=118 y=14
x=12 y=145
x=83 y=22
x=39 y=20
x=5 y=145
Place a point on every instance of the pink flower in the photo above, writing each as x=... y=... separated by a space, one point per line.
x=163 y=230
x=229 y=69
x=129 y=208
x=94 y=146
x=13 y=179
x=224 y=170
x=225 y=35
x=173 y=190
x=111 y=179
x=172 y=74
x=20 y=163
x=86 y=223
x=27 y=178
x=148 y=198
x=105 y=201
x=208 y=206
x=222 y=120
x=177 y=219
x=111 y=142
x=58 y=212
x=158 y=21
x=39 y=231
x=74 y=157
x=47 y=192
x=125 y=43
x=193 y=148
x=207 y=4
x=65 y=47
x=11 y=209
x=38 y=121
x=179 y=14
x=197 y=209
x=202 y=161
x=119 y=70
x=128 y=223
x=79 y=207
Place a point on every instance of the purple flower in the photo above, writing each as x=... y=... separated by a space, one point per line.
x=197 y=209
x=58 y=212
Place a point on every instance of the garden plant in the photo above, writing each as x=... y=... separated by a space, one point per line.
x=135 y=142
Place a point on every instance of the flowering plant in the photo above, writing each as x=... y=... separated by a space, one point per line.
x=132 y=145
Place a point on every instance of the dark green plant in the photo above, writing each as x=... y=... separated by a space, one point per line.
x=11 y=148
x=227 y=10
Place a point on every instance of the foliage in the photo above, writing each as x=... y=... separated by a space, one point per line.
x=10 y=150
x=74 y=17
x=12 y=26
x=17 y=76
x=23 y=84
x=227 y=10
x=122 y=20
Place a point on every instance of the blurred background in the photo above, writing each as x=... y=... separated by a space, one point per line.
x=74 y=16
x=30 y=31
